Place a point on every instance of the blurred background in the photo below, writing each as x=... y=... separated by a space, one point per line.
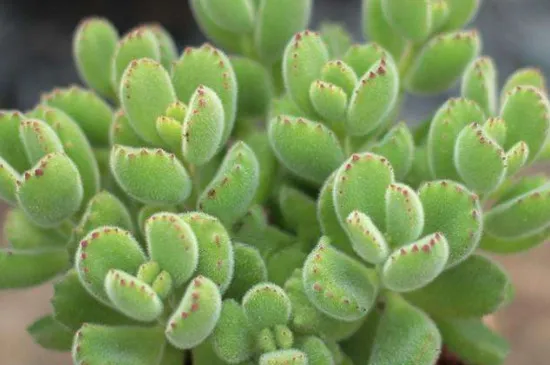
x=35 y=56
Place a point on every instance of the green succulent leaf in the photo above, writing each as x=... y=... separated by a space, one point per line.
x=479 y=83
x=299 y=213
x=50 y=334
x=528 y=76
x=336 y=37
x=94 y=44
x=440 y=14
x=362 y=57
x=137 y=172
x=163 y=285
x=39 y=139
x=338 y=285
x=376 y=27
x=497 y=245
x=284 y=357
x=121 y=131
x=461 y=13
x=234 y=16
x=308 y=149
x=398 y=147
x=411 y=18
x=8 y=183
x=98 y=344
x=167 y=46
x=12 y=149
x=170 y=131
x=316 y=350
x=474 y=288
x=266 y=305
x=23 y=234
x=367 y=241
x=442 y=61
x=255 y=87
x=330 y=102
x=197 y=314
x=23 y=269
x=250 y=269
x=404 y=215
x=232 y=338
x=496 y=129
x=517 y=157
x=282 y=263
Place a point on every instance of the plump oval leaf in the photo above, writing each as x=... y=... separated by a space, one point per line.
x=232 y=339
x=23 y=269
x=479 y=83
x=366 y=239
x=404 y=215
x=266 y=305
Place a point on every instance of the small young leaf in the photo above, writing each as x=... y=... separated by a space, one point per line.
x=479 y=160
x=8 y=183
x=50 y=334
x=376 y=27
x=411 y=18
x=216 y=258
x=303 y=60
x=266 y=305
x=524 y=77
x=265 y=341
x=340 y=74
x=472 y=341
x=496 y=129
x=526 y=103
x=309 y=149
x=360 y=173
x=338 y=285
x=138 y=43
x=137 y=171
x=367 y=241
x=94 y=44
x=442 y=61
x=448 y=122
x=362 y=57
x=230 y=193
x=98 y=344
x=398 y=147
x=416 y=264
x=148 y=272
x=39 y=139
x=87 y=109
x=132 y=296
x=21 y=269
x=104 y=249
x=521 y=216
x=121 y=132
x=404 y=215
x=517 y=157
x=479 y=83
x=163 y=285
x=197 y=314
x=173 y=245
x=145 y=92
x=210 y=67
x=232 y=339
x=373 y=98
x=460 y=222
x=51 y=191
x=203 y=126
x=474 y=288
x=316 y=350
x=250 y=269
x=330 y=102
x=284 y=357
x=405 y=335
x=440 y=14
x=276 y=22
x=235 y=16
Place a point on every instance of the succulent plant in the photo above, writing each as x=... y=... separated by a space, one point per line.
x=259 y=203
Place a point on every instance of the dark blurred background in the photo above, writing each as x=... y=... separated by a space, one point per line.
x=35 y=56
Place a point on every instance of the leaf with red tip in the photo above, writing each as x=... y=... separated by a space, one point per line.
x=104 y=249
x=367 y=241
x=479 y=83
x=496 y=129
x=528 y=76
x=362 y=57
x=329 y=101
x=404 y=215
x=266 y=305
x=196 y=316
x=39 y=139
x=340 y=74
x=12 y=149
x=415 y=265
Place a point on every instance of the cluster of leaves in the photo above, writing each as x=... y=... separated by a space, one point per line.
x=265 y=207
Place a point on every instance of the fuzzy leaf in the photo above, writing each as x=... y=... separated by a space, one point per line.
x=255 y=87
x=502 y=246
x=22 y=234
x=362 y=57
x=526 y=105
x=496 y=129
x=73 y=305
x=473 y=342
x=524 y=77
x=265 y=341
x=360 y=173
x=132 y=296
x=340 y=74
x=411 y=18
x=404 y=215
x=284 y=357
x=104 y=249
x=299 y=213
x=376 y=27
x=12 y=149
x=203 y=126
x=232 y=340
x=517 y=157
x=210 y=67
x=148 y=272
x=405 y=335
x=367 y=241
x=442 y=61
x=216 y=257
x=20 y=269
x=170 y=131
x=276 y=22
x=98 y=345
x=309 y=149
x=373 y=98
x=303 y=60
x=416 y=264
x=121 y=132
x=39 y=139
x=398 y=147
x=50 y=334
x=521 y=216
x=8 y=183
x=479 y=160
x=173 y=245
x=440 y=14
x=283 y=336
x=479 y=83
x=338 y=285
x=51 y=191
x=474 y=288
x=461 y=13
x=94 y=43
x=230 y=193
x=451 y=209
x=145 y=92
x=336 y=37
x=330 y=102
x=282 y=263
x=197 y=314
x=163 y=285
x=258 y=141
x=448 y=122
x=137 y=171
x=316 y=350
x=234 y=16
x=139 y=43
x=88 y=110
x=266 y=305
x=167 y=46
x=250 y=269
